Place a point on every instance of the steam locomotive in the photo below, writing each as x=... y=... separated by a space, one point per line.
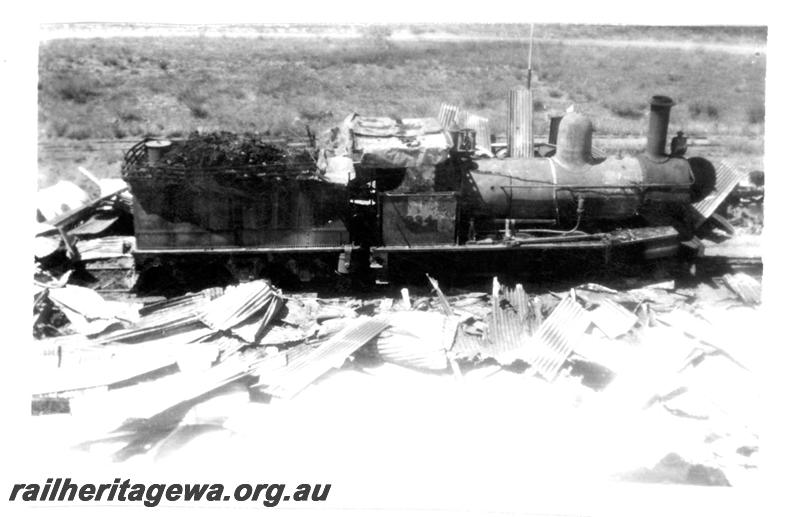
x=379 y=194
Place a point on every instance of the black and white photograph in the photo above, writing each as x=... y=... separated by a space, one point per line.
x=410 y=265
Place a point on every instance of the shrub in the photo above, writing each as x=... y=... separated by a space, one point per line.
x=60 y=127
x=129 y=116
x=118 y=131
x=627 y=109
x=698 y=109
x=378 y=35
x=75 y=89
x=556 y=94
x=195 y=102
x=756 y=114
x=199 y=111
x=80 y=133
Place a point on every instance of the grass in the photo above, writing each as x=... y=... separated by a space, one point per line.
x=127 y=88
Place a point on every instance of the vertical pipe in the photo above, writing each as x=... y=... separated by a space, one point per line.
x=520 y=123
x=659 y=122
x=530 y=58
x=555 y=122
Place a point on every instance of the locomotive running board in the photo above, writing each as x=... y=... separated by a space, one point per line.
x=635 y=236
x=238 y=250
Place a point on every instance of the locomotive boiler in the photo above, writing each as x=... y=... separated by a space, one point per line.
x=384 y=192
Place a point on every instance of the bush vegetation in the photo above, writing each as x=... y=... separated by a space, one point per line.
x=281 y=84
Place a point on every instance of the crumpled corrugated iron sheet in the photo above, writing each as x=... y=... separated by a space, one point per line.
x=237 y=304
x=92 y=366
x=482 y=133
x=448 y=113
x=519 y=300
x=227 y=345
x=507 y=326
x=727 y=178
x=187 y=300
x=612 y=318
x=168 y=322
x=87 y=311
x=418 y=339
x=254 y=331
x=467 y=345
x=306 y=363
x=196 y=317
x=552 y=342
x=746 y=287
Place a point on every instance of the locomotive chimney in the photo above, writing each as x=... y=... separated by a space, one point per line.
x=659 y=122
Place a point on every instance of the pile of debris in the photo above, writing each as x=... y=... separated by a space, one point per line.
x=154 y=361
x=84 y=240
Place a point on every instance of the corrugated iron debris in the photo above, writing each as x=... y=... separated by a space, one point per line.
x=144 y=367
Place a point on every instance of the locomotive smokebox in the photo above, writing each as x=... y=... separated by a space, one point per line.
x=660 y=106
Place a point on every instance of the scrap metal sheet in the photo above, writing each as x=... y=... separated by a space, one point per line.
x=306 y=363
x=727 y=178
x=553 y=341
x=448 y=113
x=746 y=287
x=482 y=133
x=612 y=318
x=506 y=333
x=237 y=304
x=418 y=339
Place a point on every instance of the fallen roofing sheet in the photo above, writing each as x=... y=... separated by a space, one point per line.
x=418 y=339
x=182 y=302
x=92 y=365
x=746 y=287
x=76 y=214
x=552 y=342
x=306 y=363
x=169 y=318
x=506 y=327
x=88 y=312
x=201 y=315
x=253 y=331
x=727 y=178
x=612 y=318
x=55 y=200
x=237 y=304
x=467 y=345
x=148 y=399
